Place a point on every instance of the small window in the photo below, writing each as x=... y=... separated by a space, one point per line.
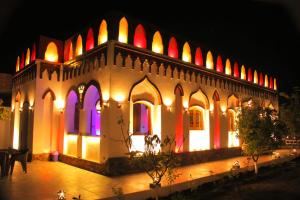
x=196 y=119
x=141 y=119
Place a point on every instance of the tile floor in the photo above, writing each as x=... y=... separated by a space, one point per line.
x=45 y=179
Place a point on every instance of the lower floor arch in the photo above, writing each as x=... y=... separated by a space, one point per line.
x=199 y=137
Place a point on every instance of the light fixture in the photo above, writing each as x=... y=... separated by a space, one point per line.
x=61 y=195
x=60 y=105
x=211 y=108
x=30 y=107
x=80 y=90
x=168 y=103
x=20 y=109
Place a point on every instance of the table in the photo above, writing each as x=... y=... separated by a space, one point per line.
x=5 y=155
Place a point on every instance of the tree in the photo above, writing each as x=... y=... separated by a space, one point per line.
x=260 y=130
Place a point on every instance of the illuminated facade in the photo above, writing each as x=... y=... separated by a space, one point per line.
x=68 y=96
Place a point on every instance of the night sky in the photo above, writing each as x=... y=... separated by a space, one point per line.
x=259 y=34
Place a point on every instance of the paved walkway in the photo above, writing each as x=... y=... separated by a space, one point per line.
x=45 y=179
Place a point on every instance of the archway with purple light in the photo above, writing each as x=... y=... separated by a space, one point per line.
x=72 y=112
x=92 y=115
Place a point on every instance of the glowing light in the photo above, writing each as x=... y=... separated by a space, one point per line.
x=68 y=51
x=89 y=40
x=123 y=30
x=103 y=34
x=243 y=73
x=60 y=104
x=261 y=79
x=119 y=97
x=33 y=53
x=105 y=96
x=211 y=107
x=271 y=85
x=185 y=105
x=22 y=61
x=157 y=45
x=18 y=64
x=173 y=49
x=168 y=103
x=236 y=72
x=228 y=67
x=186 y=52
x=223 y=109
x=219 y=65
x=90 y=146
x=27 y=59
x=70 y=145
x=209 y=61
x=198 y=57
x=266 y=81
x=139 y=39
x=255 y=80
x=275 y=84
x=78 y=50
x=138 y=143
x=250 y=78
x=51 y=53
x=199 y=140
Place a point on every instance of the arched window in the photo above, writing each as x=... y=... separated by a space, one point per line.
x=271 y=83
x=103 y=34
x=18 y=64
x=22 y=61
x=27 y=59
x=261 y=79
x=275 y=84
x=219 y=66
x=233 y=140
x=231 y=124
x=209 y=60
x=139 y=39
x=89 y=40
x=123 y=30
x=186 y=52
x=243 y=73
x=141 y=119
x=196 y=118
x=266 y=81
x=78 y=50
x=198 y=57
x=72 y=112
x=51 y=53
x=255 y=80
x=228 y=67
x=33 y=53
x=250 y=78
x=68 y=51
x=173 y=48
x=157 y=44
x=93 y=119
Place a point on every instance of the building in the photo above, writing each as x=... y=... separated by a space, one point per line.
x=69 y=96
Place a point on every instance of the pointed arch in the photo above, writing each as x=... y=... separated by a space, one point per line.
x=243 y=72
x=198 y=57
x=261 y=79
x=143 y=86
x=51 y=53
x=103 y=33
x=199 y=98
x=271 y=85
x=139 y=39
x=89 y=40
x=173 y=48
x=27 y=59
x=228 y=67
x=179 y=88
x=232 y=101
x=250 y=78
x=123 y=30
x=78 y=49
x=157 y=44
x=33 y=52
x=255 y=78
x=97 y=86
x=216 y=96
x=219 y=65
x=236 y=72
x=186 y=52
x=209 y=60
x=68 y=54
x=53 y=97
x=18 y=64
x=266 y=81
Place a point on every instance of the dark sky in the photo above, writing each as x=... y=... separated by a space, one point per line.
x=260 y=34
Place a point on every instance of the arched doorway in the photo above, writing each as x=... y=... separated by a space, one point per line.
x=179 y=118
x=217 y=124
x=233 y=106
